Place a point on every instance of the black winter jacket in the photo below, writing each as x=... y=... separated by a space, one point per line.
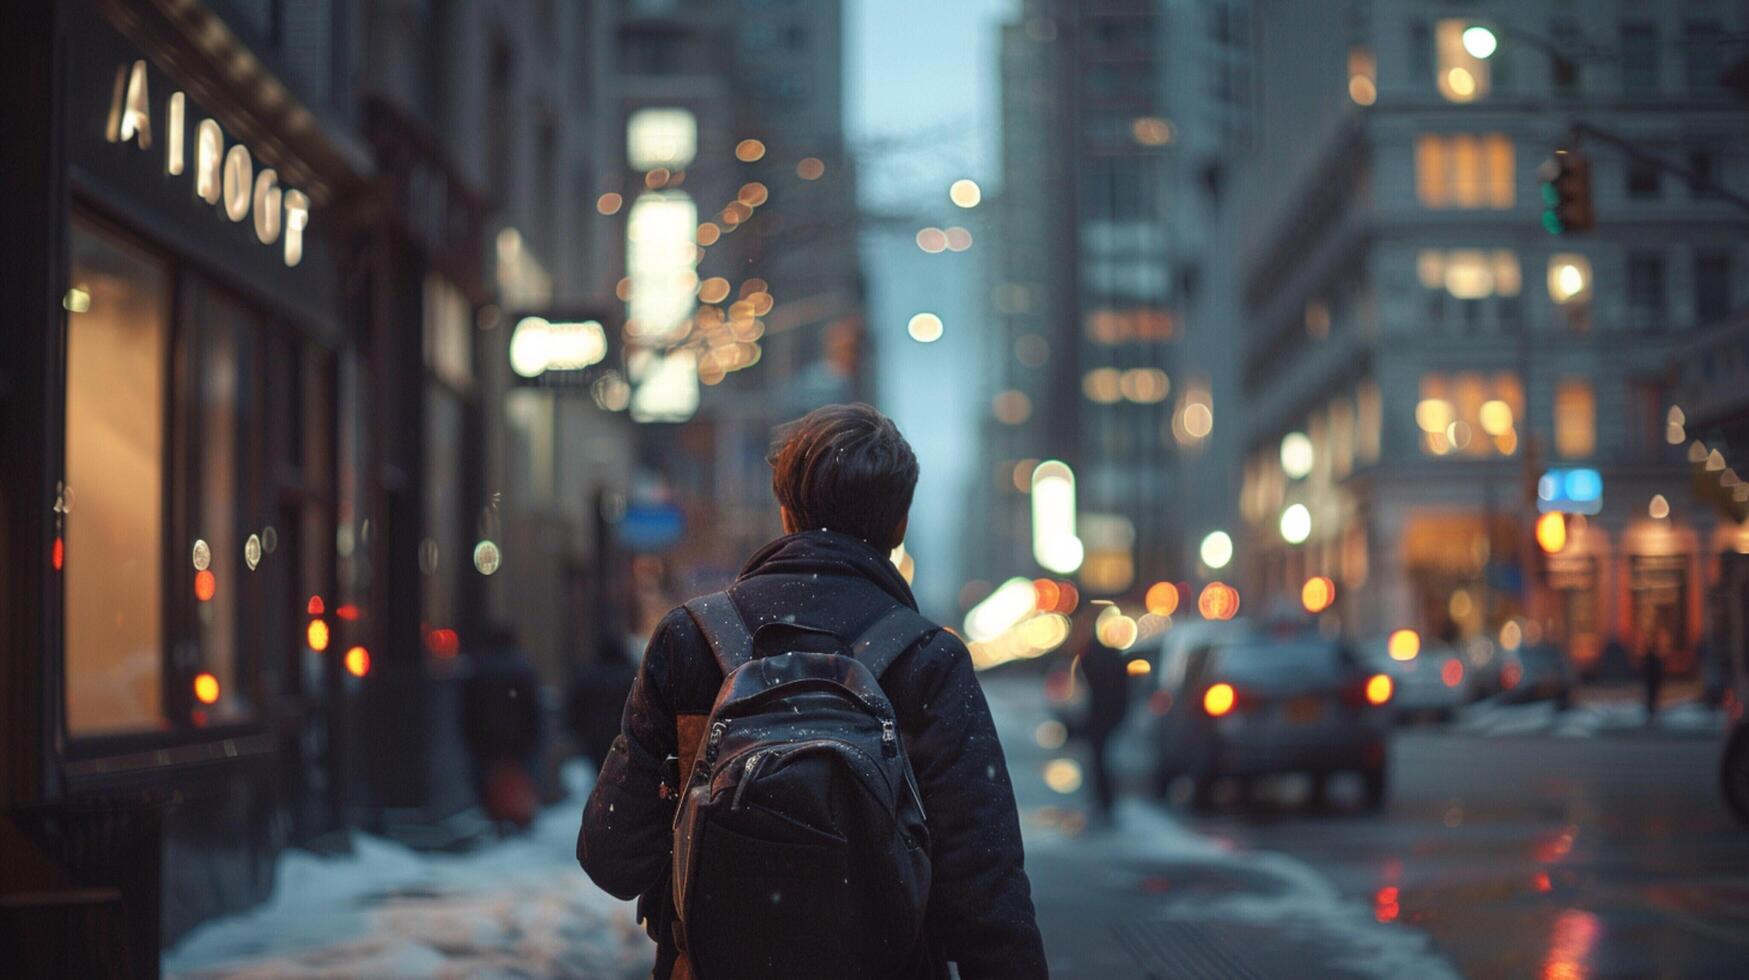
x=980 y=913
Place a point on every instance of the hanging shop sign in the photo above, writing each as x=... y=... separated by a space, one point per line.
x=560 y=350
x=223 y=173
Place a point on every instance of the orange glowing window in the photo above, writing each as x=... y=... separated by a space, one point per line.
x=206 y=585
x=317 y=635
x=206 y=688
x=1219 y=699
x=358 y=661
x=1162 y=599
x=1378 y=689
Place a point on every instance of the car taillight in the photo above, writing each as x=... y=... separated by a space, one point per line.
x=1378 y=689
x=1510 y=676
x=1219 y=699
x=1452 y=673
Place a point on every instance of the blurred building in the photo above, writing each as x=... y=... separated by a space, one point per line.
x=1425 y=367
x=274 y=469
x=1119 y=122
x=743 y=289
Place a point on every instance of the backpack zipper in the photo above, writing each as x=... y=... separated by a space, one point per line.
x=747 y=771
x=710 y=749
x=889 y=737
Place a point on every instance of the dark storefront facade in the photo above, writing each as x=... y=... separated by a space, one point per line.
x=230 y=358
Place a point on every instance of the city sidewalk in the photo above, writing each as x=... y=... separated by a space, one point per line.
x=514 y=907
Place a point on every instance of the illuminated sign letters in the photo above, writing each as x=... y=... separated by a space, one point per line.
x=226 y=178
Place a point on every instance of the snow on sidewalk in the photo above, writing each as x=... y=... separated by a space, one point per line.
x=514 y=908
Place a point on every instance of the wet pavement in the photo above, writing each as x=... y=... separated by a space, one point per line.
x=1542 y=855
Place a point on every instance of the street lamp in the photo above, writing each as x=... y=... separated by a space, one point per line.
x=1480 y=41
x=1217 y=549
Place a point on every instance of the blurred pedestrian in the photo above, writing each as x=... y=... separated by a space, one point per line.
x=502 y=726
x=1106 y=673
x=1652 y=670
x=598 y=693
x=819 y=640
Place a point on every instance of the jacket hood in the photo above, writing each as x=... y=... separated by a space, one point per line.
x=829 y=553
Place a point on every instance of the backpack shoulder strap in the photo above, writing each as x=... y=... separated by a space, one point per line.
x=897 y=630
x=722 y=626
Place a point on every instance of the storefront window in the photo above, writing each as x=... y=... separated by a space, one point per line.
x=117 y=375
x=219 y=328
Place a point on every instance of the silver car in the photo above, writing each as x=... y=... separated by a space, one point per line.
x=1243 y=704
x=1434 y=682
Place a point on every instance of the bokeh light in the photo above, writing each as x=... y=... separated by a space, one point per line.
x=1162 y=598
x=925 y=328
x=1551 y=532
x=358 y=661
x=1318 y=594
x=1404 y=644
x=749 y=150
x=965 y=193
x=1217 y=549
x=1218 y=601
x=206 y=688
x=1296 y=524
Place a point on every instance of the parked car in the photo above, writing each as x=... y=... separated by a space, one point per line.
x=1537 y=672
x=1237 y=703
x=1435 y=682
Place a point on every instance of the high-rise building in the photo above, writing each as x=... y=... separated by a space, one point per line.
x=1118 y=122
x=1426 y=367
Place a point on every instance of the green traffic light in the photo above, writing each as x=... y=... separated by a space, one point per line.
x=1551 y=194
x=1552 y=223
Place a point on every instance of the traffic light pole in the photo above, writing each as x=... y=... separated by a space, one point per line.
x=1696 y=182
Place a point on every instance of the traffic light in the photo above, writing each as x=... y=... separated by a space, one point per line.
x=1566 y=193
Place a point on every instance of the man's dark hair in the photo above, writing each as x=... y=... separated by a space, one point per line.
x=845 y=468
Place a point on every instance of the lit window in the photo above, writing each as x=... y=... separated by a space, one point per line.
x=1569 y=278
x=1460 y=75
x=1363 y=76
x=661 y=138
x=1575 y=418
x=1469 y=414
x=117 y=367
x=1470 y=273
x=1464 y=171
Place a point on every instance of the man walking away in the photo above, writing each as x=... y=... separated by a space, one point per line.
x=907 y=774
x=1106 y=672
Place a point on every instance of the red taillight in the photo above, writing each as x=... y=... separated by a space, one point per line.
x=1378 y=689
x=1219 y=699
x=1452 y=673
x=1510 y=676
